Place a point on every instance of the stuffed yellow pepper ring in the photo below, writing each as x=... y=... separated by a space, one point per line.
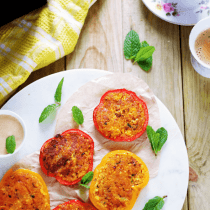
x=118 y=180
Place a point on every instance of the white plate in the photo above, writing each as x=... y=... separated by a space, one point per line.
x=182 y=12
x=172 y=179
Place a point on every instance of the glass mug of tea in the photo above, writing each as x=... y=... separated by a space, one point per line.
x=199 y=42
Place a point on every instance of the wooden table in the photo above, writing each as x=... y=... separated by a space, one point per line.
x=172 y=78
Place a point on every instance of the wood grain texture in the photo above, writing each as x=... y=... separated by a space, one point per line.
x=197 y=122
x=165 y=77
x=100 y=42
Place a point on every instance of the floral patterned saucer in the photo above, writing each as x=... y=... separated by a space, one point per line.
x=180 y=12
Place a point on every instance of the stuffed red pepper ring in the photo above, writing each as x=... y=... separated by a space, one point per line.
x=121 y=115
x=74 y=205
x=67 y=156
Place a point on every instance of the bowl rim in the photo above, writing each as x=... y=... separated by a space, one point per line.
x=201 y=26
x=13 y=114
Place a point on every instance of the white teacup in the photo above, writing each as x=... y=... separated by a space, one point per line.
x=199 y=66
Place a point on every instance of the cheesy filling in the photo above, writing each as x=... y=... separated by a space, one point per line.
x=116 y=181
x=23 y=191
x=68 y=156
x=120 y=116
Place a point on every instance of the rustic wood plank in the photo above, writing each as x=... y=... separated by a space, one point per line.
x=197 y=122
x=100 y=42
x=165 y=77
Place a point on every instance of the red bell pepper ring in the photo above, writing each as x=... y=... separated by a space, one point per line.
x=136 y=98
x=75 y=203
x=59 y=179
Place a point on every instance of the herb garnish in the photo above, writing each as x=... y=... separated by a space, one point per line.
x=144 y=53
x=128 y=124
x=87 y=178
x=158 y=138
x=131 y=45
x=139 y=52
x=58 y=91
x=155 y=203
x=10 y=144
x=77 y=115
x=51 y=109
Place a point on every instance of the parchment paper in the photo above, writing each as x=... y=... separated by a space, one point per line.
x=87 y=98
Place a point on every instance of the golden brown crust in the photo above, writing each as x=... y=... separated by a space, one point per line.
x=120 y=116
x=118 y=180
x=23 y=189
x=67 y=156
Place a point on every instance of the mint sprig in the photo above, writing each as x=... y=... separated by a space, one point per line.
x=157 y=139
x=138 y=51
x=87 y=178
x=51 y=109
x=10 y=144
x=155 y=203
x=77 y=115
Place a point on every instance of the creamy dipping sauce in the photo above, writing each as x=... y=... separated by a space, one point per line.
x=9 y=126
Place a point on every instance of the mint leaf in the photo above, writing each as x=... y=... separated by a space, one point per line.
x=153 y=138
x=144 y=53
x=77 y=115
x=150 y=134
x=157 y=139
x=144 y=44
x=47 y=111
x=146 y=64
x=131 y=45
x=84 y=185
x=155 y=203
x=10 y=144
x=87 y=178
x=163 y=137
x=58 y=91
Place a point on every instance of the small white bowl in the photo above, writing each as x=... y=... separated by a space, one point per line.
x=7 y=112
x=199 y=66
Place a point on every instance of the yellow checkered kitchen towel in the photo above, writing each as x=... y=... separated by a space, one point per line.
x=38 y=39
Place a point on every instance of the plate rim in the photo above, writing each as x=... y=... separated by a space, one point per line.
x=107 y=73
